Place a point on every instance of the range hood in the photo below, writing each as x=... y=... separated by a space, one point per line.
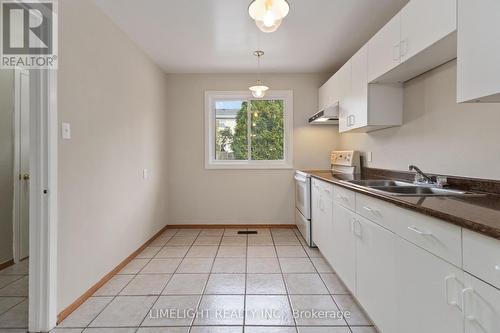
x=326 y=116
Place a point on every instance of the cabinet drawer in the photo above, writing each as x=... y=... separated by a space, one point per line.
x=344 y=197
x=438 y=237
x=482 y=256
x=326 y=190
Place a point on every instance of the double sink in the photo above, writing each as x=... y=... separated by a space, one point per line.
x=402 y=188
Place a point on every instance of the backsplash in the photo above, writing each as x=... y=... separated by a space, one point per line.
x=438 y=135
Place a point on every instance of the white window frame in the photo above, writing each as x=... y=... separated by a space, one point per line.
x=212 y=96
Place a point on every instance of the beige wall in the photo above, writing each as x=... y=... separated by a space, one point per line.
x=203 y=196
x=115 y=100
x=438 y=134
x=6 y=162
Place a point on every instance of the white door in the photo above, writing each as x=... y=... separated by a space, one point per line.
x=343 y=248
x=424 y=22
x=376 y=273
x=481 y=306
x=21 y=222
x=428 y=290
x=384 y=49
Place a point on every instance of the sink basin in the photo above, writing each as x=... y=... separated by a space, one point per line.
x=416 y=190
x=402 y=188
x=377 y=182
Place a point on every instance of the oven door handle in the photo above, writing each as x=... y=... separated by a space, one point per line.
x=300 y=178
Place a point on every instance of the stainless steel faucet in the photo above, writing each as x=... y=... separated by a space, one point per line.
x=421 y=177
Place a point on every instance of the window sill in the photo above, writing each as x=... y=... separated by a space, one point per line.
x=248 y=166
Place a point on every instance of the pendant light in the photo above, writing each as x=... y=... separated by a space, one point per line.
x=268 y=14
x=259 y=90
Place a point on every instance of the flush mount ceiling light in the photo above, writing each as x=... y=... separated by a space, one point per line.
x=268 y=14
x=259 y=90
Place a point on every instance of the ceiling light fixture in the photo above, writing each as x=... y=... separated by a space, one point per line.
x=259 y=90
x=268 y=14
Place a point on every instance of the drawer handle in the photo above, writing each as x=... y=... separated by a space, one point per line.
x=371 y=210
x=447 y=291
x=420 y=232
x=342 y=197
x=328 y=191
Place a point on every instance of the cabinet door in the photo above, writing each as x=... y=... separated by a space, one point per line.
x=356 y=102
x=478 y=68
x=343 y=78
x=343 y=248
x=316 y=214
x=376 y=273
x=327 y=223
x=428 y=290
x=383 y=49
x=481 y=306
x=424 y=22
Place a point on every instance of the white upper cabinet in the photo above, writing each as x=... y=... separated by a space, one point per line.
x=383 y=49
x=420 y=37
x=368 y=107
x=478 y=65
x=424 y=22
x=335 y=89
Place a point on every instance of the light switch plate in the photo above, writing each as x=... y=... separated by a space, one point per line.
x=369 y=156
x=66 y=131
x=145 y=173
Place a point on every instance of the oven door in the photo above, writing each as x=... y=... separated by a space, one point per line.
x=303 y=194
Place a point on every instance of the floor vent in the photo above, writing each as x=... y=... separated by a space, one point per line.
x=250 y=232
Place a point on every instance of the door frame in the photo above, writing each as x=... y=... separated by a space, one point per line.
x=16 y=222
x=43 y=201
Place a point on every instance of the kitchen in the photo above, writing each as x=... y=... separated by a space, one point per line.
x=257 y=166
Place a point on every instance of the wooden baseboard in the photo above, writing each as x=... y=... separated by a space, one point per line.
x=79 y=301
x=6 y=264
x=228 y=226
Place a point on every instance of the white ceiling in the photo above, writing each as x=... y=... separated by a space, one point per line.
x=218 y=36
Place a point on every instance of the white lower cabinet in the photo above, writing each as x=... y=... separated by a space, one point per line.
x=481 y=306
x=428 y=290
x=403 y=283
x=343 y=246
x=376 y=272
x=322 y=205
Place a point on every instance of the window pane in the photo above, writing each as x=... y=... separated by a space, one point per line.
x=231 y=130
x=267 y=130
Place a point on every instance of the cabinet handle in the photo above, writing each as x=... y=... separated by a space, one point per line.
x=342 y=197
x=371 y=210
x=420 y=232
x=357 y=232
x=321 y=206
x=465 y=292
x=396 y=52
x=404 y=47
x=327 y=191
x=447 y=291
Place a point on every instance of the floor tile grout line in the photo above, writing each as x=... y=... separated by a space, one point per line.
x=205 y=286
x=284 y=283
x=163 y=289
x=13 y=306
x=118 y=293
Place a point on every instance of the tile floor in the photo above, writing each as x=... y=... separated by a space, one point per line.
x=14 y=297
x=216 y=281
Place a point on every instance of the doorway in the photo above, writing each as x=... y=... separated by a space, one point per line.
x=21 y=165
x=14 y=199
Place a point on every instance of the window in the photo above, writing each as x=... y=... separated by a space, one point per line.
x=243 y=132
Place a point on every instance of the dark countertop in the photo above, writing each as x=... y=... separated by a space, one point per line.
x=477 y=213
